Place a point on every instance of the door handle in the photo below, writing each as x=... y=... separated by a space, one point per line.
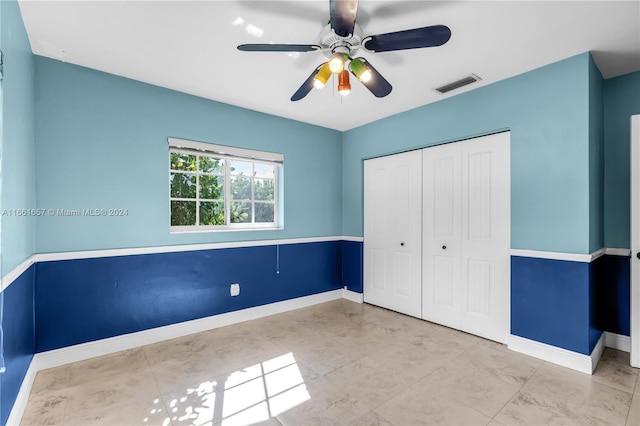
x=402 y=244
x=444 y=247
x=638 y=255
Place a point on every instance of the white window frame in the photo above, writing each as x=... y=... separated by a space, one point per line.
x=228 y=153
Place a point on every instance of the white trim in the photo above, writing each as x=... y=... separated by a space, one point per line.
x=47 y=257
x=223 y=150
x=352 y=296
x=573 y=257
x=69 y=354
x=597 y=352
x=15 y=416
x=92 y=254
x=598 y=253
x=635 y=239
x=354 y=239
x=583 y=363
x=618 y=341
x=202 y=229
x=16 y=272
x=618 y=252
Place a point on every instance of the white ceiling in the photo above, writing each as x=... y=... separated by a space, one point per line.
x=190 y=46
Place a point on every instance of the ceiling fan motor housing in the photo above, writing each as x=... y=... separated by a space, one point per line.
x=333 y=43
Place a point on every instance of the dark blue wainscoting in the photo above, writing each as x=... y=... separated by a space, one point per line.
x=18 y=328
x=83 y=300
x=597 y=274
x=352 y=265
x=552 y=302
x=613 y=311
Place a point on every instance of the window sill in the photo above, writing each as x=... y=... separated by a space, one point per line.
x=204 y=231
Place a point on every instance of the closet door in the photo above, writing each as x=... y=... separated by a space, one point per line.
x=486 y=213
x=392 y=232
x=466 y=236
x=442 y=248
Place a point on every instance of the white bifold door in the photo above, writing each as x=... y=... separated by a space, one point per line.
x=466 y=236
x=437 y=234
x=392 y=229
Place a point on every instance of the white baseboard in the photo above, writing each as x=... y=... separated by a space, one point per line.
x=352 y=296
x=576 y=361
x=15 y=416
x=618 y=341
x=57 y=357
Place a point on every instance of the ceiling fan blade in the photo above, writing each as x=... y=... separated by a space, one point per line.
x=279 y=47
x=416 y=38
x=307 y=86
x=377 y=84
x=343 y=16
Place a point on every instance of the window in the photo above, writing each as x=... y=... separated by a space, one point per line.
x=214 y=187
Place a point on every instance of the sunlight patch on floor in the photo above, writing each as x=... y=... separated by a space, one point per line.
x=251 y=395
x=158 y=407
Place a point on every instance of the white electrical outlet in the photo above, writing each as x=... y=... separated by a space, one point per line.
x=235 y=289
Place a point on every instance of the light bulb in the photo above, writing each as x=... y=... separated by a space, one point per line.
x=360 y=70
x=336 y=63
x=321 y=78
x=344 y=86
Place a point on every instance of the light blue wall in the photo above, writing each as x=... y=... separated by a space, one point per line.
x=547 y=111
x=596 y=158
x=621 y=101
x=17 y=189
x=552 y=112
x=102 y=143
x=18 y=176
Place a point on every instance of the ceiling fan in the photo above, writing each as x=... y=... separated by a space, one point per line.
x=342 y=38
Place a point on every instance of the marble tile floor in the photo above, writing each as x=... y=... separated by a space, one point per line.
x=338 y=363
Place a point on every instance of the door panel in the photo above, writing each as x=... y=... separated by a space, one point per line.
x=441 y=234
x=379 y=265
x=393 y=199
x=466 y=235
x=486 y=236
x=479 y=194
x=479 y=286
x=443 y=274
x=402 y=266
x=444 y=180
x=379 y=192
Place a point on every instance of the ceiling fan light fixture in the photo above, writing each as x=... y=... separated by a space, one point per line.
x=360 y=70
x=321 y=78
x=344 y=86
x=341 y=39
x=336 y=63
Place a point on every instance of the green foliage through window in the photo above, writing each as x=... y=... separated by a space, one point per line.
x=207 y=191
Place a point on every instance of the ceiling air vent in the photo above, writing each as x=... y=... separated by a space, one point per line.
x=458 y=83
